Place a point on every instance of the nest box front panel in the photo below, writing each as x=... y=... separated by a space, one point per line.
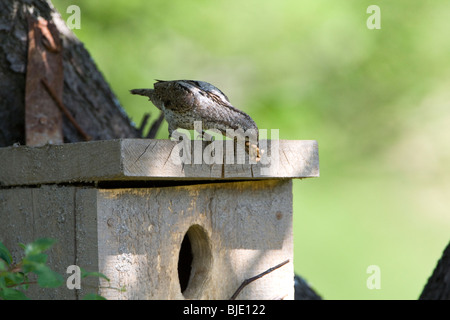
x=197 y=241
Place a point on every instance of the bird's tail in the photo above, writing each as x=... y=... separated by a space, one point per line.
x=143 y=92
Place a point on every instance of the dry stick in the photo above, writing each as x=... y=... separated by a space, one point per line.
x=65 y=110
x=143 y=124
x=249 y=280
x=155 y=126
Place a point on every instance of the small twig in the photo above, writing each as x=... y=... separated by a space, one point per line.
x=280 y=297
x=155 y=126
x=65 y=110
x=143 y=124
x=250 y=280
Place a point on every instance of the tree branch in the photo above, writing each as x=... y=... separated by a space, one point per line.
x=250 y=280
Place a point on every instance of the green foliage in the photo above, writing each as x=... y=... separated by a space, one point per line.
x=93 y=296
x=85 y=274
x=15 y=277
x=35 y=260
x=5 y=255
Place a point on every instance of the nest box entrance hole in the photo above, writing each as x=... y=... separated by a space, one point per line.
x=194 y=262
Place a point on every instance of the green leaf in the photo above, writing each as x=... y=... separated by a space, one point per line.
x=40 y=258
x=3 y=265
x=32 y=262
x=38 y=246
x=85 y=274
x=26 y=285
x=12 y=294
x=48 y=278
x=14 y=278
x=93 y=296
x=5 y=255
x=2 y=282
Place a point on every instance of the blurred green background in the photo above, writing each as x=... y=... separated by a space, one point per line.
x=377 y=102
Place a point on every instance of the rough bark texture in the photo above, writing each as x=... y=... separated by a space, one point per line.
x=86 y=93
x=302 y=290
x=438 y=286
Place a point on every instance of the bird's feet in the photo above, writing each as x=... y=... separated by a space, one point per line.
x=253 y=151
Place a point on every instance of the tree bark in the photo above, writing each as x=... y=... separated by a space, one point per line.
x=303 y=291
x=86 y=94
x=438 y=286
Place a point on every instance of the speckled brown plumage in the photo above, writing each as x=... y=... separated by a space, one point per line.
x=185 y=101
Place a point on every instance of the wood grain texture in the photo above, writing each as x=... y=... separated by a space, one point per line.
x=144 y=159
x=27 y=214
x=239 y=229
x=134 y=235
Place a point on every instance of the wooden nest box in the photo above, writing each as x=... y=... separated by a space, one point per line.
x=157 y=228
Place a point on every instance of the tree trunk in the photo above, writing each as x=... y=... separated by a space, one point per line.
x=438 y=286
x=86 y=94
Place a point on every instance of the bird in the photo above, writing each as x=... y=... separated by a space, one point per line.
x=185 y=101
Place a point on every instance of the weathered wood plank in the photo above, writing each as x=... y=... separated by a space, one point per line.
x=134 y=236
x=72 y=162
x=144 y=159
x=247 y=228
x=27 y=214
